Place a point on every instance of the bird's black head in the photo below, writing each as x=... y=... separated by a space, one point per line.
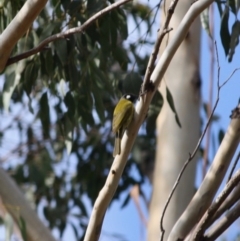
x=130 y=97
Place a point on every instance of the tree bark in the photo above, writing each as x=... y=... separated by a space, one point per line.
x=19 y=207
x=174 y=143
x=18 y=27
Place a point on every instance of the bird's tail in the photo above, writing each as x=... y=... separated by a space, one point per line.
x=117 y=145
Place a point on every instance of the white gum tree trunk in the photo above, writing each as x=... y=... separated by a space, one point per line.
x=174 y=143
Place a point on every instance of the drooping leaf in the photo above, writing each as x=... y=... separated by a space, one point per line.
x=234 y=39
x=99 y=103
x=75 y=229
x=153 y=112
x=30 y=76
x=232 y=5
x=44 y=114
x=121 y=56
x=23 y=228
x=70 y=103
x=172 y=106
x=126 y=201
x=221 y=134
x=204 y=17
x=219 y=6
x=224 y=31
x=48 y=63
x=9 y=85
x=61 y=49
x=123 y=24
x=237 y=4
x=11 y=81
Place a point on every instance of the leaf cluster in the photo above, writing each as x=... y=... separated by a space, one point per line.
x=69 y=90
x=229 y=37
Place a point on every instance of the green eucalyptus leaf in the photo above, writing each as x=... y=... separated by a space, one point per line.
x=237 y=4
x=61 y=49
x=123 y=27
x=49 y=30
x=224 y=31
x=126 y=201
x=66 y=126
x=30 y=76
x=12 y=80
x=23 y=228
x=234 y=39
x=172 y=106
x=221 y=134
x=204 y=17
x=99 y=103
x=232 y=5
x=48 y=62
x=70 y=103
x=9 y=85
x=44 y=114
x=121 y=56
x=219 y=6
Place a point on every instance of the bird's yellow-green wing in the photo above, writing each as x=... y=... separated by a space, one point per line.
x=122 y=116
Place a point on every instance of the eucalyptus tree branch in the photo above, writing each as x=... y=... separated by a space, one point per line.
x=205 y=194
x=226 y=205
x=222 y=225
x=155 y=51
x=211 y=47
x=107 y=192
x=43 y=45
x=19 y=208
x=18 y=27
x=202 y=226
x=234 y=166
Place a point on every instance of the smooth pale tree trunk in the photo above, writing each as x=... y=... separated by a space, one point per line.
x=174 y=143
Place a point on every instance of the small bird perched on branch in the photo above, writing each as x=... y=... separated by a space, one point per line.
x=122 y=117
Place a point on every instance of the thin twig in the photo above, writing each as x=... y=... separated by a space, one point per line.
x=210 y=97
x=230 y=76
x=234 y=166
x=42 y=46
x=213 y=208
x=157 y=6
x=227 y=204
x=144 y=36
x=153 y=56
x=231 y=216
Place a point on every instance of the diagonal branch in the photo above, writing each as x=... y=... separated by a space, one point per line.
x=231 y=216
x=214 y=207
x=227 y=204
x=43 y=45
x=18 y=27
x=155 y=51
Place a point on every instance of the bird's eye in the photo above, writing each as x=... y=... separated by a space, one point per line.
x=128 y=97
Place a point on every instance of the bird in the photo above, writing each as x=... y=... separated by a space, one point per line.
x=122 y=117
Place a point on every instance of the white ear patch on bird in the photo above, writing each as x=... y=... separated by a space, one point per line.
x=128 y=97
